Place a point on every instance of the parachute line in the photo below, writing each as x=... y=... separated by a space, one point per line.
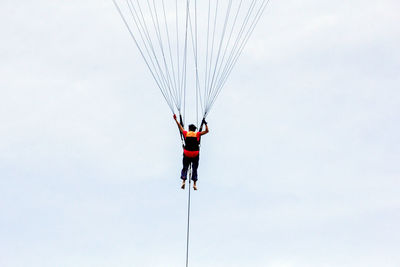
x=160 y=30
x=240 y=51
x=216 y=31
x=143 y=56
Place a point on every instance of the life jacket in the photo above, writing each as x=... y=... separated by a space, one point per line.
x=192 y=143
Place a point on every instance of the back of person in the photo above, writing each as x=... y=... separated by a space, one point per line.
x=192 y=144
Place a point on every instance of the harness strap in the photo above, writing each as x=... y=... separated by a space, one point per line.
x=181 y=134
x=200 y=130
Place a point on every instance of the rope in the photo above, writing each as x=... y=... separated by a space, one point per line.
x=226 y=27
x=195 y=56
x=185 y=59
x=153 y=73
x=229 y=66
x=143 y=29
x=250 y=21
x=188 y=216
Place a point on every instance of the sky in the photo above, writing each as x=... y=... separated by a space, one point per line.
x=300 y=168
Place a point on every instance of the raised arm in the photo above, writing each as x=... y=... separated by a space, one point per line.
x=206 y=131
x=179 y=125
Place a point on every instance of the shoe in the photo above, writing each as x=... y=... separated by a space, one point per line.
x=183 y=184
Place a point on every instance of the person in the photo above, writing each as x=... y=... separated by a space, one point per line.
x=191 y=151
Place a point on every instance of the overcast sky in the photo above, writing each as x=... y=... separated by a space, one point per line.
x=301 y=166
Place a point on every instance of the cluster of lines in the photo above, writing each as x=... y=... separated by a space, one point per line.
x=215 y=30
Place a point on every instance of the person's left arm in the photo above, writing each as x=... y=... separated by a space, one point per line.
x=179 y=125
x=206 y=131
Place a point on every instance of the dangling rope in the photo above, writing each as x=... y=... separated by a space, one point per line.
x=188 y=216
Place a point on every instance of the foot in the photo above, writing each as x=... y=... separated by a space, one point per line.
x=194 y=186
x=183 y=184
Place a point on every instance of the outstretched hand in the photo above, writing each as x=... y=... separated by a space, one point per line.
x=204 y=121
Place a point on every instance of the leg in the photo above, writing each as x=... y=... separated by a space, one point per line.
x=185 y=163
x=195 y=165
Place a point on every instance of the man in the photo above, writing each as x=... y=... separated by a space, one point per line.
x=190 y=151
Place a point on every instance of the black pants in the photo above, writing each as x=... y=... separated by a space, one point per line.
x=186 y=162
